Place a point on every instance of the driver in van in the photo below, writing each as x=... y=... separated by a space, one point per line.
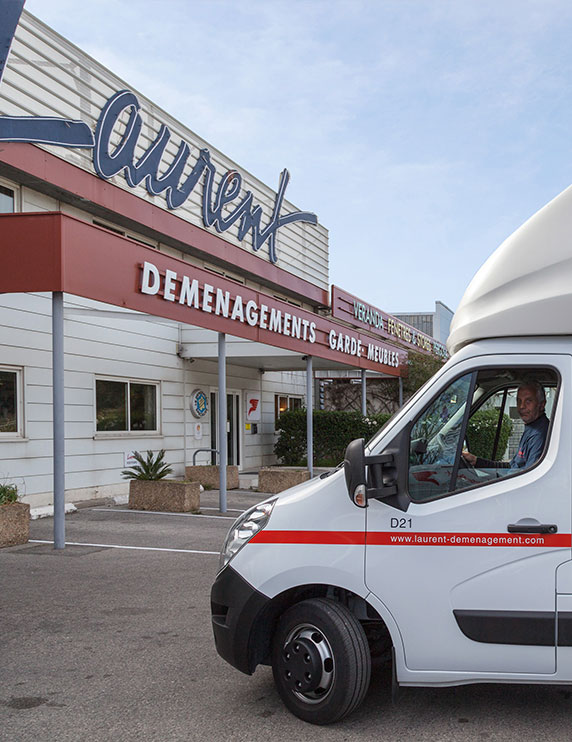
x=530 y=402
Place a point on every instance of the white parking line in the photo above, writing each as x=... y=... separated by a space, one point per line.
x=159 y=512
x=116 y=546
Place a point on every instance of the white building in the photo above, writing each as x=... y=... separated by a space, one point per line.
x=159 y=246
x=436 y=324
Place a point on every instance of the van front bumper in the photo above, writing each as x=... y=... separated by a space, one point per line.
x=235 y=608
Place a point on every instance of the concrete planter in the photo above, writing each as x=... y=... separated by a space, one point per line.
x=274 y=479
x=167 y=495
x=14 y=523
x=208 y=476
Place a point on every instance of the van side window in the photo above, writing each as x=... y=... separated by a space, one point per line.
x=485 y=425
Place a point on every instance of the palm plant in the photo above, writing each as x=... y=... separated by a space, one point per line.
x=151 y=467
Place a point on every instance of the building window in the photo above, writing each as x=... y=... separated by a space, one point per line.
x=421 y=322
x=283 y=402
x=10 y=402
x=126 y=406
x=7 y=200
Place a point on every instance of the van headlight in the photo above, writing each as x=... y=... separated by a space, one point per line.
x=244 y=528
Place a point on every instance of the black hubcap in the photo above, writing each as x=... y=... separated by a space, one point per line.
x=302 y=665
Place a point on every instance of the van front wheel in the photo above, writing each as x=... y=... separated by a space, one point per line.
x=320 y=661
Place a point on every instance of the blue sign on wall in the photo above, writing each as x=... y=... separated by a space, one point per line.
x=238 y=206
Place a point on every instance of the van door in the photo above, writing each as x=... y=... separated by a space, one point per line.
x=468 y=566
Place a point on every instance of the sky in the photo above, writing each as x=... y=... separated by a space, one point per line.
x=421 y=132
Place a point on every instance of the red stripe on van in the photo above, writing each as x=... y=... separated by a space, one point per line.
x=309 y=537
x=409 y=538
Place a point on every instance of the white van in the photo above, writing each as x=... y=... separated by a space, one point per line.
x=459 y=573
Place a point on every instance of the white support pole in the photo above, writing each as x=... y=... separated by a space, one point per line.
x=363 y=394
x=58 y=418
x=184 y=363
x=221 y=420
x=309 y=418
x=185 y=420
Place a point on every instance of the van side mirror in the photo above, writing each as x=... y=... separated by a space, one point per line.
x=373 y=482
x=354 y=469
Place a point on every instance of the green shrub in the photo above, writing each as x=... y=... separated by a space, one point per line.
x=8 y=493
x=152 y=467
x=333 y=430
x=481 y=434
x=421 y=367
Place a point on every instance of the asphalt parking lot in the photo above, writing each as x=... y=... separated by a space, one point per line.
x=111 y=639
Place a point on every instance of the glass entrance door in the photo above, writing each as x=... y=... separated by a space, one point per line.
x=232 y=427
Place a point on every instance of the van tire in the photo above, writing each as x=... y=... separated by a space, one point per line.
x=320 y=661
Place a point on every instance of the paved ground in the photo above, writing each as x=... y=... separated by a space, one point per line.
x=101 y=643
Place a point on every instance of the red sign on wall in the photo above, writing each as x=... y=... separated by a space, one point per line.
x=359 y=314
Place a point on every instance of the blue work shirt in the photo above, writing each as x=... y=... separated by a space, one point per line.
x=529 y=451
x=531 y=443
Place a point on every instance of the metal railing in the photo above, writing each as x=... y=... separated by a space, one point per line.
x=202 y=450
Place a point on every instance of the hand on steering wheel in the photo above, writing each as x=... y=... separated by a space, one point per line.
x=468 y=460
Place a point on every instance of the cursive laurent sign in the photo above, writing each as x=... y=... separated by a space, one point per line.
x=222 y=205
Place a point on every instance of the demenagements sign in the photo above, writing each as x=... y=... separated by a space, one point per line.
x=248 y=313
x=63 y=253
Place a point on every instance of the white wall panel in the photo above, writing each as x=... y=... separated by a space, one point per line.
x=127 y=349
x=35 y=201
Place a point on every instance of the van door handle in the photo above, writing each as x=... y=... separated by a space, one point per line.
x=536 y=528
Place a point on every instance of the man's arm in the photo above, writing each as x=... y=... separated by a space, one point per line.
x=491 y=464
x=479 y=463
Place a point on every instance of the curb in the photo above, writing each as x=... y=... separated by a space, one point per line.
x=47 y=511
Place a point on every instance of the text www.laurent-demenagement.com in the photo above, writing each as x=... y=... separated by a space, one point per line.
x=453 y=539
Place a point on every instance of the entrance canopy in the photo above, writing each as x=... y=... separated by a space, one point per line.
x=201 y=344
x=59 y=253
